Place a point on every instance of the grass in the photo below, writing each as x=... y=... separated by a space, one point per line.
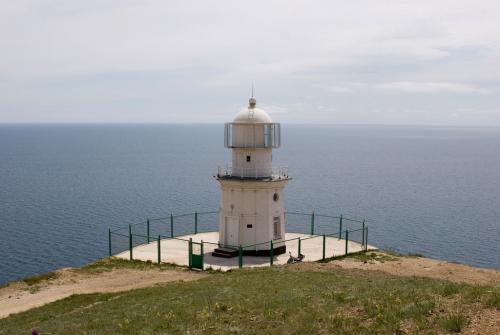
x=40 y=278
x=366 y=257
x=494 y=300
x=105 y=264
x=110 y=263
x=454 y=322
x=274 y=300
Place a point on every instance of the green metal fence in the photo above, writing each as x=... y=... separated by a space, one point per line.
x=320 y=228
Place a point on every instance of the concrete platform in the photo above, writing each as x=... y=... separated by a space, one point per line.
x=176 y=251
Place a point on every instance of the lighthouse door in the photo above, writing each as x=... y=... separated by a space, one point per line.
x=232 y=230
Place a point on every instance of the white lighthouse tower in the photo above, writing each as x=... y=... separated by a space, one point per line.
x=251 y=210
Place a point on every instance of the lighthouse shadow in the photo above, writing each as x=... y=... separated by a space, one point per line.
x=224 y=264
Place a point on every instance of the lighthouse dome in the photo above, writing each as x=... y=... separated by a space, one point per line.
x=251 y=114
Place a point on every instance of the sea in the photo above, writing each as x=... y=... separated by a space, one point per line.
x=433 y=191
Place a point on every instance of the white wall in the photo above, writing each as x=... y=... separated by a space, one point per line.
x=252 y=200
x=259 y=165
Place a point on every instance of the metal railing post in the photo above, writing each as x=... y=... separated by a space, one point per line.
x=324 y=245
x=346 y=240
x=363 y=236
x=240 y=257
x=147 y=229
x=109 y=241
x=340 y=227
x=171 y=225
x=159 y=250
x=271 y=253
x=312 y=223
x=202 y=257
x=366 y=239
x=190 y=251
x=196 y=222
x=130 y=241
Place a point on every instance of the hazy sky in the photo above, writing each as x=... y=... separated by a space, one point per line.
x=367 y=62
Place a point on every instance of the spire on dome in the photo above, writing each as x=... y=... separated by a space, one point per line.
x=252 y=102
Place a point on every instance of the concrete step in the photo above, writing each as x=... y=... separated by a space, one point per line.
x=225 y=252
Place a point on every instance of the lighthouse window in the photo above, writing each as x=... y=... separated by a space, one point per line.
x=277 y=227
x=276 y=197
x=249 y=158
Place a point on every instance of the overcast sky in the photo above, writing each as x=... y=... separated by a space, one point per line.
x=342 y=62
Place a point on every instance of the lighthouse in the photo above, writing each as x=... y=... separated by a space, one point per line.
x=251 y=213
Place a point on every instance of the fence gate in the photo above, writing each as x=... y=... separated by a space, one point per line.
x=195 y=255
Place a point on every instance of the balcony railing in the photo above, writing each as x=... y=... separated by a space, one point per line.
x=230 y=172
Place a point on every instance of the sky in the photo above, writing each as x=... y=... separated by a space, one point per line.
x=339 y=62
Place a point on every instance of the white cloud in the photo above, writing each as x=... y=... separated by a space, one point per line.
x=91 y=59
x=273 y=109
x=432 y=87
x=339 y=89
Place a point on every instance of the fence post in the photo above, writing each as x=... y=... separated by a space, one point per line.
x=346 y=240
x=300 y=247
x=147 y=229
x=171 y=225
x=109 y=241
x=324 y=245
x=190 y=248
x=196 y=222
x=159 y=250
x=240 y=257
x=130 y=241
x=340 y=227
x=271 y=253
x=202 y=257
x=363 y=232
x=366 y=239
x=312 y=223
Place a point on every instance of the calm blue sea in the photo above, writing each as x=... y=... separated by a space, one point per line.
x=428 y=190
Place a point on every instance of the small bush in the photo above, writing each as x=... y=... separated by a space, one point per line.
x=450 y=289
x=454 y=323
x=493 y=300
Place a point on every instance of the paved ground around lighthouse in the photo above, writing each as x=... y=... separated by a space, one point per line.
x=176 y=250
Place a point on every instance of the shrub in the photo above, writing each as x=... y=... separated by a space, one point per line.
x=454 y=322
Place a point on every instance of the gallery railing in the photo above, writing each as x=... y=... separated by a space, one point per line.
x=275 y=172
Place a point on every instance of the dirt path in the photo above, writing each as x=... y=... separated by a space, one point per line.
x=431 y=268
x=19 y=297
x=418 y=267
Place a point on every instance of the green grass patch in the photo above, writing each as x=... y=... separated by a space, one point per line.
x=454 y=322
x=493 y=300
x=273 y=300
x=40 y=278
x=450 y=289
x=414 y=255
x=366 y=257
x=110 y=263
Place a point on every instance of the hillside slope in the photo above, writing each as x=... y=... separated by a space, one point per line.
x=308 y=298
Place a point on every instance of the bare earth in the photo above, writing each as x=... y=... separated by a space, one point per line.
x=19 y=297
x=426 y=267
